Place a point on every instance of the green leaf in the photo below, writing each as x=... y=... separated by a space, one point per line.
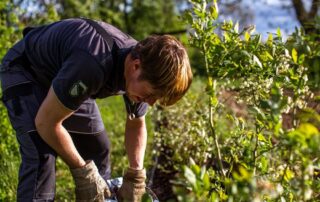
x=216 y=6
x=206 y=181
x=196 y=169
x=246 y=36
x=191 y=161
x=277 y=128
x=205 y=178
x=204 y=6
x=214 y=101
x=226 y=36
x=279 y=33
x=270 y=39
x=301 y=59
x=260 y=114
x=199 y=13
x=288 y=175
x=261 y=138
x=308 y=129
x=190 y=176
x=203 y=172
x=246 y=54
x=188 y=16
x=243 y=175
x=258 y=40
x=257 y=61
x=214 y=12
x=269 y=55
x=294 y=55
x=236 y=28
x=264 y=164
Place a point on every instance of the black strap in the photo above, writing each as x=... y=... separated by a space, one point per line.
x=26 y=30
x=17 y=91
x=23 y=63
x=14 y=94
x=105 y=35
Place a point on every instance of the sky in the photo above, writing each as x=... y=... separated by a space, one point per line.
x=270 y=14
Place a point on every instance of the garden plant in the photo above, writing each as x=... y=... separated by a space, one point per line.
x=256 y=137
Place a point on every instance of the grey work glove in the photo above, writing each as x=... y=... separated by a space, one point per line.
x=90 y=186
x=133 y=186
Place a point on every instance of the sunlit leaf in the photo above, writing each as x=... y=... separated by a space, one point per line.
x=294 y=55
x=279 y=32
x=236 y=27
x=203 y=171
x=190 y=176
x=246 y=36
x=288 y=175
x=257 y=61
x=264 y=164
x=261 y=138
x=270 y=39
x=308 y=129
x=192 y=161
x=196 y=169
x=214 y=101
x=215 y=4
x=226 y=36
x=214 y=11
x=243 y=174
x=206 y=181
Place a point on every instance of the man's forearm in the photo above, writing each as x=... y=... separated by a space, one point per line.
x=49 y=125
x=60 y=140
x=135 y=142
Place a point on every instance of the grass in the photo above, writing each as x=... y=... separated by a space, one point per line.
x=9 y=166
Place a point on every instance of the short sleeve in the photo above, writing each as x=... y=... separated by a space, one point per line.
x=138 y=109
x=79 y=77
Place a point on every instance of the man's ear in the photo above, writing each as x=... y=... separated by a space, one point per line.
x=136 y=63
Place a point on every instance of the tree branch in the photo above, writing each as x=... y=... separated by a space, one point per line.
x=306 y=18
x=314 y=8
x=300 y=10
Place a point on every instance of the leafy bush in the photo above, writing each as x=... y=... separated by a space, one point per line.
x=9 y=154
x=187 y=134
x=261 y=146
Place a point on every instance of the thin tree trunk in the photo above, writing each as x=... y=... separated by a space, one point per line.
x=126 y=17
x=307 y=19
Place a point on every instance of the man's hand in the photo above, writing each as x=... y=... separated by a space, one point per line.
x=90 y=186
x=133 y=186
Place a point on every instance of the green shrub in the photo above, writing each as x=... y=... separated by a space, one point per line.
x=10 y=28
x=268 y=151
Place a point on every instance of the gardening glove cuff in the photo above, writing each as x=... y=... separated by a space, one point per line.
x=89 y=185
x=133 y=186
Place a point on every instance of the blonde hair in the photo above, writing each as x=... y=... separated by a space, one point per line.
x=165 y=65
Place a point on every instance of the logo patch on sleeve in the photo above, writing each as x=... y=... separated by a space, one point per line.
x=77 y=89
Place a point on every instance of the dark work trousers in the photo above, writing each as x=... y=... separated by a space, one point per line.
x=22 y=97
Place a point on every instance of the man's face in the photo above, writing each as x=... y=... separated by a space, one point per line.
x=138 y=90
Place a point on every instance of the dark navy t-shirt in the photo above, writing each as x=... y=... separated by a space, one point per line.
x=79 y=63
